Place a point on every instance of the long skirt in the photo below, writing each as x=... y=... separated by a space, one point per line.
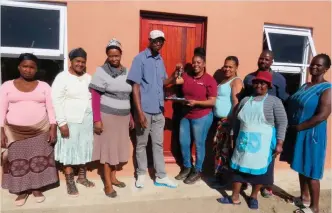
x=222 y=146
x=30 y=165
x=264 y=179
x=112 y=146
x=77 y=149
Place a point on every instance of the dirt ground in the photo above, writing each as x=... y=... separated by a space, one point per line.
x=184 y=205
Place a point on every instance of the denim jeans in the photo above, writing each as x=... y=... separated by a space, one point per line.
x=198 y=128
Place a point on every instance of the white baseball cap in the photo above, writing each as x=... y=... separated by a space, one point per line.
x=156 y=34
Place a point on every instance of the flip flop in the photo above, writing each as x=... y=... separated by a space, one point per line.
x=297 y=201
x=227 y=200
x=303 y=210
x=21 y=202
x=253 y=203
x=112 y=194
x=40 y=199
x=120 y=184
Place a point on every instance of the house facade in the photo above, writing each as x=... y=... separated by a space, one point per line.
x=294 y=31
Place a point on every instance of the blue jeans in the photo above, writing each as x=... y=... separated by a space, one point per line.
x=199 y=129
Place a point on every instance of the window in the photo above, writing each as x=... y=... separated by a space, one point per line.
x=30 y=27
x=38 y=28
x=293 y=49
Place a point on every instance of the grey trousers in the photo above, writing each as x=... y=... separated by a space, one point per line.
x=155 y=128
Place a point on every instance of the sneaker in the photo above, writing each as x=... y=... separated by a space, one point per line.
x=140 y=181
x=193 y=177
x=184 y=173
x=165 y=182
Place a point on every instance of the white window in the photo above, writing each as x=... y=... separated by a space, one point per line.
x=38 y=28
x=293 y=49
x=31 y=27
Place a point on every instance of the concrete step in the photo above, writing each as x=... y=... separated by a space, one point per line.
x=186 y=198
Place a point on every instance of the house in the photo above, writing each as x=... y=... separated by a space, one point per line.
x=293 y=30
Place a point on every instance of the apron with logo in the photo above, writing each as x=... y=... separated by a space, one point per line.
x=255 y=141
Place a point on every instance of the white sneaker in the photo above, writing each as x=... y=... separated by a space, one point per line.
x=140 y=181
x=165 y=182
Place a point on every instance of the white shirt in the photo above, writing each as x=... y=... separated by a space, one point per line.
x=71 y=97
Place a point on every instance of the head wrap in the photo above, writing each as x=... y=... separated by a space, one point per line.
x=114 y=44
x=78 y=52
x=27 y=56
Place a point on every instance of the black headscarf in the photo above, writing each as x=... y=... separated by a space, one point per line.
x=78 y=52
x=27 y=56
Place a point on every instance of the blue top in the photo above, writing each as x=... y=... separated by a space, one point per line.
x=223 y=107
x=278 y=85
x=305 y=150
x=149 y=72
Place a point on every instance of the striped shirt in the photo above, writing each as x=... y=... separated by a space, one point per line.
x=115 y=91
x=274 y=113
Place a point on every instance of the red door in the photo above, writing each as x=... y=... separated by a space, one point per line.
x=181 y=40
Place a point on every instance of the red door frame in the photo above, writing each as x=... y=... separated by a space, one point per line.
x=175 y=19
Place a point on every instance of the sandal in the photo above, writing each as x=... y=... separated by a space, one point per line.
x=22 y=201
x=253 y=203
x=112 y=194
x=83 y=180
x=303 y=210
x=227 y=200
x=298 y=201
x=266 y=193
x=120 y=184
x=40 y=198
x=71 y=186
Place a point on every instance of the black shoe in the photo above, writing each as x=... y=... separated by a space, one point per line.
x=184 y=173
x=193 y=177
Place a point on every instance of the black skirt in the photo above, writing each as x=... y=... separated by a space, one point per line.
x=264 y=179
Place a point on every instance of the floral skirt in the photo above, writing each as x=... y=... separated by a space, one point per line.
x=222 y=146
x=30 y=165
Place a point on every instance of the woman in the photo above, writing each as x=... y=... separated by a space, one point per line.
x=260 y=131
x=111 y=116
x=200 y=91
x=305 y=147
x=228 y=96
x=72 y=104
x=28 y=131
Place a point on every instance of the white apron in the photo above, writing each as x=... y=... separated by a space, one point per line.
x=256 y=140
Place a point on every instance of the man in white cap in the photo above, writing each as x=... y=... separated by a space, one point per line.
x=148 y=76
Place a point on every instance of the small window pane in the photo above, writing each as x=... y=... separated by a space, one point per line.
x=30 y=28
x=47 y=69
x=288 y=48
x=293 y=82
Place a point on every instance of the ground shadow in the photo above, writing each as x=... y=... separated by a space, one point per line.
x=281 y=193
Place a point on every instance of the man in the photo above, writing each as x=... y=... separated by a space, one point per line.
x=278 y=89
x=148 y=76
x=279 y=83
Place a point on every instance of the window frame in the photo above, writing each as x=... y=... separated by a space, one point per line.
x=42 y=53
x=291 y=67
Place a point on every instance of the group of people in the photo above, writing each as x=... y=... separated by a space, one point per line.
x=84 y=118
x=260 y=121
